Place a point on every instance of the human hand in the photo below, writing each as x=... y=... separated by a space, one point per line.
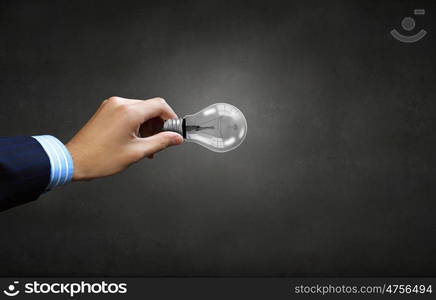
x=121 y=132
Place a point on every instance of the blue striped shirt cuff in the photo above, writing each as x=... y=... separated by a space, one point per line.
x=61 y=162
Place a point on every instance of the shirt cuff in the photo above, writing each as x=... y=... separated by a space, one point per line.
x=62 y=167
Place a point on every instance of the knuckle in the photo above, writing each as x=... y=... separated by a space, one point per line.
x=160 y=145
x=164 y=144
x=114 y=100
x=104 y=103
x=160 y=100
x=125 y=109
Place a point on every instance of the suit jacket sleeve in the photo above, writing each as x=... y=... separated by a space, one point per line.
x=24 y=170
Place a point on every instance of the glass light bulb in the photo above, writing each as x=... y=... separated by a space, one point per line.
x=220 y=127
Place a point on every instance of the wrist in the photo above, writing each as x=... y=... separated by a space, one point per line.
x=77 y=154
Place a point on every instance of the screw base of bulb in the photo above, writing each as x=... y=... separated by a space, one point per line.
x=175 y=125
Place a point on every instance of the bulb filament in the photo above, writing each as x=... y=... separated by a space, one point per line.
x=198 y=128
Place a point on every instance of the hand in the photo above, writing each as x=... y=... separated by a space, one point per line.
x=121 y=132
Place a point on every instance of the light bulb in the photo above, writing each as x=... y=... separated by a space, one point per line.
x=220 y=127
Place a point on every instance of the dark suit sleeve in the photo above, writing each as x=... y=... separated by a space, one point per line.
x=24 y=170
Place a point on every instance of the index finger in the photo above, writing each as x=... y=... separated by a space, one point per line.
x=156 y=107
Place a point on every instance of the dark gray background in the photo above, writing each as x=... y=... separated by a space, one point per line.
x=336 y=176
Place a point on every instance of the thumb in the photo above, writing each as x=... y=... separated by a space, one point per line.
x=160 y=141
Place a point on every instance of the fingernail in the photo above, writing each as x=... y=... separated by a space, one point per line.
x=177 y=140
